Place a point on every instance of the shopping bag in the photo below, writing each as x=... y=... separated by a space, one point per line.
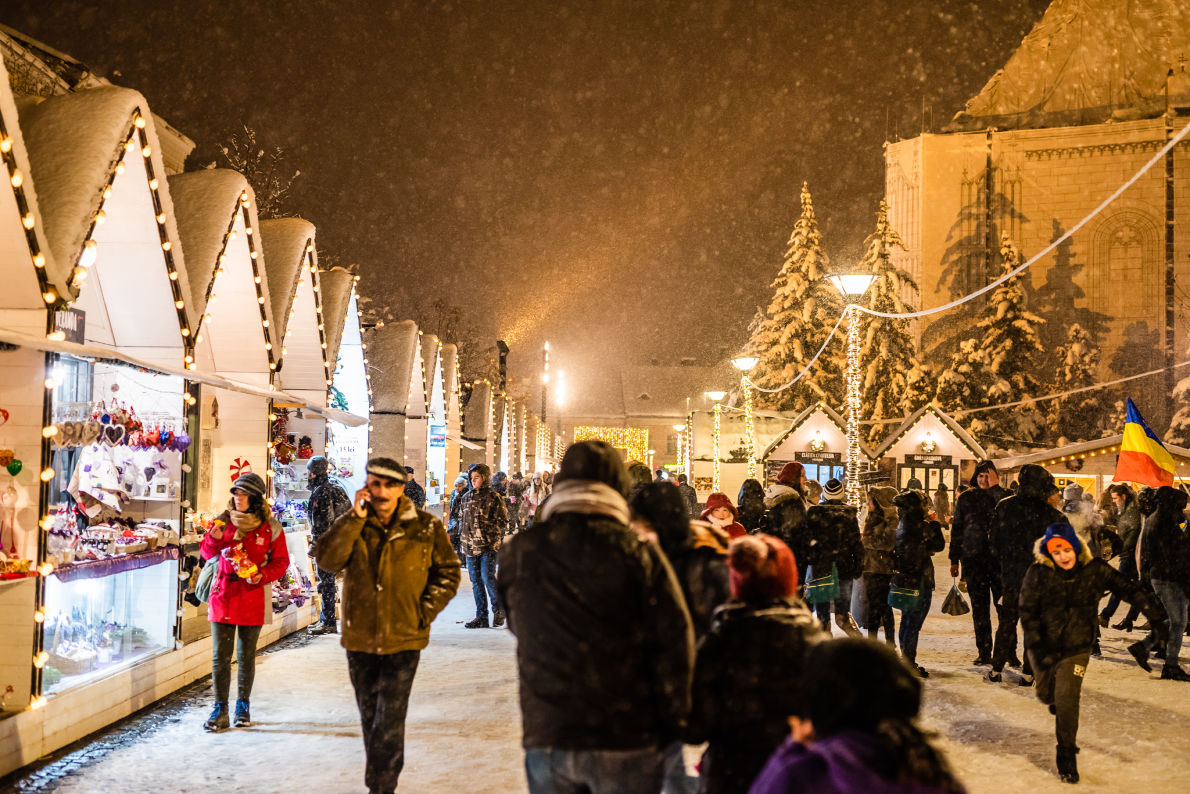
x=905 y=598
x=822 y=589
x=954 y=604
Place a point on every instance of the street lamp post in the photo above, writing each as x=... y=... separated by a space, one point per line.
x=717 y=396
x=852 y=287
x=680 y=429
x=745 y=364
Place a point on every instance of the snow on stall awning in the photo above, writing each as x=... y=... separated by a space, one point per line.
x=336 y=285
x=949 y=423
x=21 y=247
x=1084 y=61
x=801 y=419
x=431 y=349
x=477 y=413
x=1077 y=450
x=292 y=265
x=98 y=353
x=450 y=382
x=75 y=143
x=216 y=210
x=393 y=355
x=284 y=241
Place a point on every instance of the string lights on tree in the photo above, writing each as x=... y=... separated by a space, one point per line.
x=634 y=440
x=853 y=287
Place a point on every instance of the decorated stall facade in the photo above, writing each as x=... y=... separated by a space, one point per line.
x=930 y=447
x=351 y=390
x=1091 y=464
x=815 y=438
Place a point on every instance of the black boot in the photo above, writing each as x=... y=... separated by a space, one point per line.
x=1068 y=764
x=497 y=619
x=478 y=623
x=218 y=721
x=1137 y=649
x=325 y=628
x=1171 y=672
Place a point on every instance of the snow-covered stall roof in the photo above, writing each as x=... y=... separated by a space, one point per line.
x=450 y=380
x=27 y=266
x=216 y=217
x=477 y=413
x=96 y=160
x=1083 y=62
x=394 y=358
x=431 y=350
x=291 y=264
x=810 y=422
x=926 y=419
x=337 y=284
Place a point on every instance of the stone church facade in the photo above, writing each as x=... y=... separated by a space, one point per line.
x=1036 y=152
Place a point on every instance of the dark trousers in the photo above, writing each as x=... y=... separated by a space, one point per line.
x=880 y=614
x=382 y=683
x=1010 y=613
x=911 y=622
x=225 y=637
x=1128 y=568
x=328 y=591
x=983 y=586
x=1061 y=686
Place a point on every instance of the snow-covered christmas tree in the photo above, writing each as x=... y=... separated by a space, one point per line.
x=1009 y=333
x=963 y=385
x=888 y=353
x=803 y=309
x=1179 y=427
x=1084 y=416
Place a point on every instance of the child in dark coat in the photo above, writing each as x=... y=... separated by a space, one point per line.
x=1058 y=608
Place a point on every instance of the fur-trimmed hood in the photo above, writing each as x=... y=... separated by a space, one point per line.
x=1084 y=554
x=780 y=492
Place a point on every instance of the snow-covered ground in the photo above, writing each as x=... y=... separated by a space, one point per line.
x=464 y=726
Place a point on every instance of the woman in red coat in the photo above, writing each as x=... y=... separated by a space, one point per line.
x=721 y=513
x=250 y=550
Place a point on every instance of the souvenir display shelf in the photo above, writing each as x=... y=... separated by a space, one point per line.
x=291 y=495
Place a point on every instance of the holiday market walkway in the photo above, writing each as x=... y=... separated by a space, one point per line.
x=464 y=725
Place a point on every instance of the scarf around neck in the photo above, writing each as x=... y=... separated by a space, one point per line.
x=244 y=522
x=586 y=496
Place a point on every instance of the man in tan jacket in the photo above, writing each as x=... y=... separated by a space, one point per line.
x=399 y=573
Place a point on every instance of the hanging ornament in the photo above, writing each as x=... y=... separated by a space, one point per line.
x=6 y=456
x=239 y=466
x=14 y=467
x=3 y=417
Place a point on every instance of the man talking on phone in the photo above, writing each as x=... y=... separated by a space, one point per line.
x=399 y=573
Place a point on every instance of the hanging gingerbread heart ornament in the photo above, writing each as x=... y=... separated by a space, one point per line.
x=3 y=417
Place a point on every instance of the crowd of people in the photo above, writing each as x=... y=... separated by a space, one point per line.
x=647 y=623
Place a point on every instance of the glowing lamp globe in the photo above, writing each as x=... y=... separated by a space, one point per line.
x=852 y=285
x=716 y=395
x=744 y=363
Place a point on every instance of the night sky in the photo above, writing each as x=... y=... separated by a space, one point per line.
x=617 y=177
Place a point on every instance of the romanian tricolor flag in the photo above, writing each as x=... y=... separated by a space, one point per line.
x=1143 y=458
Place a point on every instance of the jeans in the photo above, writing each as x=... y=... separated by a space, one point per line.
x=983 y=586
x=382 y=683
x=1010 y=614
x=842 y=604
x=1128 y=568
x=1061 y=687
x=556 y=771
x=482 y=571
x=223 y=637
x=1174 y=599
x=911 y=622
x=328 y=591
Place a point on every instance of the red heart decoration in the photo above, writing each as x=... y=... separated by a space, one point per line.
x=3 y=416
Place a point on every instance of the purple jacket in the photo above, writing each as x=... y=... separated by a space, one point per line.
x=841 y=764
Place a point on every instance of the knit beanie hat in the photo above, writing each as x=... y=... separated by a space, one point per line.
x=1072 y=492
x=1061 y=532
x=791 y=474
x=250 y=483
x=761 y=567
x=717 y=500
x=317 y=466
x=833 y=489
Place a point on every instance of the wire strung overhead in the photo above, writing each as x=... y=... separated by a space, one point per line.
x=1156 y=158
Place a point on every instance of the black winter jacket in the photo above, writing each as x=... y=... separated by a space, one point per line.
x=832 y=536
x=918 y=539
x=1060 y=609
x=786 y=519
x=970 y=523
x=745 y=687
x=1165 y=549
x=705 y=581
x=604 y=644
x=1019 y=520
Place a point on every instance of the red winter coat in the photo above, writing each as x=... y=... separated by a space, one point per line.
x=235 y=600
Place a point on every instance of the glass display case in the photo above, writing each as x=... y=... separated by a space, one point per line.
x=104 y=615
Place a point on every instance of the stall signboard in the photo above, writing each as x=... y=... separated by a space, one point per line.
x=819 y=458
x=437 y=435
x=928 y=460
x=72 y=323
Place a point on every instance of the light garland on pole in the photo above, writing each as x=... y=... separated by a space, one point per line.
x=680 y=466
x=634 y=440
x=745 y=364
x=716 y=431
x=852 y=287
